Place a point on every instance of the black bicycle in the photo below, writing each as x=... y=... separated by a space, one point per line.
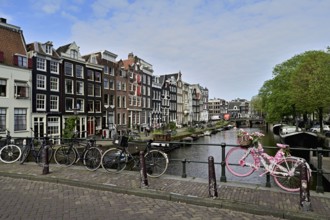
x=37 y=153
x=9 y=153
x=116 y=159
x=67 y=155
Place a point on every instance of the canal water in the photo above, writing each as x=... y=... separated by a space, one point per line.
x=197 y=156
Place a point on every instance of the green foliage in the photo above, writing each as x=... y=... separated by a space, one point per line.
x=191 y=129
x=172 y=125
x=299 y=85
x=69 y=127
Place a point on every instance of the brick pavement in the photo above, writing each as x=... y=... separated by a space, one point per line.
x=247 y=198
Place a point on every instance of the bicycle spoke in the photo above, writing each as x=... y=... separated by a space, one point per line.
x=114 y=160
x=92 y=158
x=156 y=163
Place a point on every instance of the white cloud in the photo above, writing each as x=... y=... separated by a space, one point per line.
x=228 y=47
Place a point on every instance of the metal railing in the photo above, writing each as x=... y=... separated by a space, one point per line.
x=318 y=170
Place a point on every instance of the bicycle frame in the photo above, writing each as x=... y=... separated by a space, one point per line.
x=273 y=162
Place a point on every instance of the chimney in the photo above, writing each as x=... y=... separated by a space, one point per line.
x=3 y=20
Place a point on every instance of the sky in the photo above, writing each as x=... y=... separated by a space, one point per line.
x=229 y=47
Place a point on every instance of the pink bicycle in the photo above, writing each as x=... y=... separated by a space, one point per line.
x=244 y=160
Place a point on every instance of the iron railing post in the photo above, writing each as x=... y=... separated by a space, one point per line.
x=213 y=191
x=223 y=163
x=143 y=171
x=268 y=180
x=184 y=174
x=45 y=167
x=319 y=181
x=305 y=202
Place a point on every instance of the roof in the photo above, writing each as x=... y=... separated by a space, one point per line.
x=11 y=42
x=37 y=47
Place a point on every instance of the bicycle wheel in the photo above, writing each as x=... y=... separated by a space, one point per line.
x=92 y=158
x=25 y=153
x=233 y=164
x=114 y=160
x=65 y=155
x=156 y=163
x=10 y=153
x=287 y=174
x=41 y=155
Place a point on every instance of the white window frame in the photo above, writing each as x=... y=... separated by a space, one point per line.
x=68 y=65
x=54 y=67
x=81 y=86
x=41 y=102
x=66 y=86
x=41 y=64
x=41 y=82
x=54 y=84
x=53 y=103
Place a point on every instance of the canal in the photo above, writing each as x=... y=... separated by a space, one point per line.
x=200 y=151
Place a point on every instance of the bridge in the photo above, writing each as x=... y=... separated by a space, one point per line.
x=248 y=122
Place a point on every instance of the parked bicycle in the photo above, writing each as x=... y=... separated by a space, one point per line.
x=70 y=154
x=10 y=153
x=37 y=153
x=250 y=156
x=116 y=159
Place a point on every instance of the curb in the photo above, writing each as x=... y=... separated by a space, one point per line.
x=174 y=197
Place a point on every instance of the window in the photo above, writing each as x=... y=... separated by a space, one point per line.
x=54 y=67
x=90 y=106
x=3 y=88
x=41 y=82
x=20 y=119
x=112 y=84
x=41 y=102
x=68 y=69
x=98 y=90
x=118 y=85
x=53 y=126
x=123 y=86
x=97 y=106
x=48 y=49
x=118 y=102
x=90 y=89
x=112 y=71
x=68 y=104
x=53 y=103
x=111 y=99
x=21 y=61
x=41 y=64
x=106 y=70
x=74 y=54
x=124 y=119
x=79 y=88
x=90 y=75
x=21 y=90
x=79 y=71
x=97 y=76
x=3 y=120
x=68 y=86
x=54 y=84
x=123 y=103
x=118 y=118
x=106 y=99
x=106 y=83
x=80 y=105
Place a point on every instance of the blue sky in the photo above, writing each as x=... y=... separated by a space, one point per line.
x=228 y=46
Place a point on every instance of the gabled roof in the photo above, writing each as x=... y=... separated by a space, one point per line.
x=38 y=48
x=63 y=49
x=11 y=42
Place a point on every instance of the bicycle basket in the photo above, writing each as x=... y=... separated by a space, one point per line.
x=244 y=140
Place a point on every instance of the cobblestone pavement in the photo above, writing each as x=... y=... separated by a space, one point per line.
x=27 y=199
x=121 y=195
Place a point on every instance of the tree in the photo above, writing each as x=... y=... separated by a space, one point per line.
x=311 y=83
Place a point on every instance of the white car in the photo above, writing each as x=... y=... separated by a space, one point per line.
x=316 y=128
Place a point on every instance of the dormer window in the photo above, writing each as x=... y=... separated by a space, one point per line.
x=93 y=60
x=74 y=54
x=48 y=49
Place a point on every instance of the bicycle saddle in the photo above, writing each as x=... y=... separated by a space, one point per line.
x=282 y=145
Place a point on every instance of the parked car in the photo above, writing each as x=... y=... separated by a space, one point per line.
x=316 y=128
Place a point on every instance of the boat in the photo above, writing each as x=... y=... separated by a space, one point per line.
x=207 y=133
x=300 y=139
x=277 y=128
x=287 y=129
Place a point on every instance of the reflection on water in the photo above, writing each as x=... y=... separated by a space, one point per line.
x=202 y=151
